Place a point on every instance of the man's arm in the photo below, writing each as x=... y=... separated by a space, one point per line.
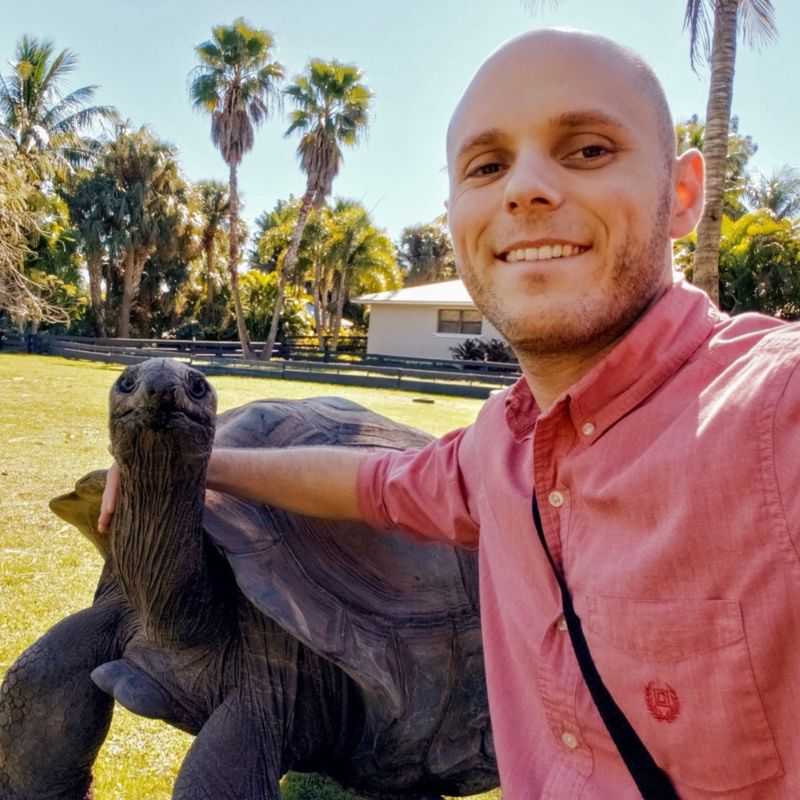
x=315 y=481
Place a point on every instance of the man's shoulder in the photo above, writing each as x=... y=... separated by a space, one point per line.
x=753 y=337
x=756 y=357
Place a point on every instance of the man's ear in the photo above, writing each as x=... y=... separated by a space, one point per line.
x=687 y=203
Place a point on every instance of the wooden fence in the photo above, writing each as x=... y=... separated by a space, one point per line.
x=463 y=379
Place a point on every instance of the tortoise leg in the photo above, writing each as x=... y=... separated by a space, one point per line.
x=134 y=689
x=234 y=757
x=53 y=719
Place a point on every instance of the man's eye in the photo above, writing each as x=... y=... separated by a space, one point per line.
x=593 y=151
x=588 y=155
x=485 y=169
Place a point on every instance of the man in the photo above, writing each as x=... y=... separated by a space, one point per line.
x=654 y=432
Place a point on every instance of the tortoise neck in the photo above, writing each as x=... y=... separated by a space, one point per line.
x=168 y=572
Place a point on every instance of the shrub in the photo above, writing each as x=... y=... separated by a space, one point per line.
x=480 y=350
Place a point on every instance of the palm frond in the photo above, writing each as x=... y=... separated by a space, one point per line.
x=757 y=22
x=698 y=20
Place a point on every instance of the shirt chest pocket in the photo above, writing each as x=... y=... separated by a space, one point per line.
x=681 y=673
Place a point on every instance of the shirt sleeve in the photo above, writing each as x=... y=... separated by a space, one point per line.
x=425 y=492
x=786 y=445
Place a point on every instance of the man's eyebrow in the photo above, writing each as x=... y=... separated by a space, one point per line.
x=489 y=137
x=587 y=118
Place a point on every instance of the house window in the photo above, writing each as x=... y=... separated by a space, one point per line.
x=454 y=320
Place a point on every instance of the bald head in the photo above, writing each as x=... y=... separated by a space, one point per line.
x=565 y=191
x=546 y=56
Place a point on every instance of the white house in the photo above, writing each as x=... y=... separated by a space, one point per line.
x=423 y=321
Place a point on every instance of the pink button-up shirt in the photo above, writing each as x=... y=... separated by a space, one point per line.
x=668 y=484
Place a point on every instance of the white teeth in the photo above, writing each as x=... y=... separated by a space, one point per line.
x=546 y=251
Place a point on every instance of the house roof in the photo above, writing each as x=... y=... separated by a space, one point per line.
x=447 y=293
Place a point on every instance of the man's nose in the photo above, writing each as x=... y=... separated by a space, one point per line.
x=533 y=182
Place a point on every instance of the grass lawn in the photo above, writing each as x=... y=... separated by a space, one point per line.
x=53 y=428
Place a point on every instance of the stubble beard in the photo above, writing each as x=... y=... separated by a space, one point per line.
x=598 y=322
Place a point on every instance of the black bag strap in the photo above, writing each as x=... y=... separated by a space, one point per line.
x=651 y=780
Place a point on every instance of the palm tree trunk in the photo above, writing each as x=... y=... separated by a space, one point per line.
x=130 y=284
x=108 y=271
x=244 y=338
x=325 y=311
x=209 y=248
x=340 y=295
x=715 y=146
x=95 y=267
x=289 y=261
x=316 y=296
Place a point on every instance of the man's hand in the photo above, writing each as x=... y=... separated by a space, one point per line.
x=109 y=502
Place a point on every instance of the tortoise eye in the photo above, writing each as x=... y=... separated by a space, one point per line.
x=126 y=384
x=196 y=386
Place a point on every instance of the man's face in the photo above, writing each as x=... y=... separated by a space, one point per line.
x=560 y=195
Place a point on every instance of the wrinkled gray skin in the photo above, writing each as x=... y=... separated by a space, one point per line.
x=281 y=642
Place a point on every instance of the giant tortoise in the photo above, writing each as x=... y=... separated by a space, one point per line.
x=281 y=642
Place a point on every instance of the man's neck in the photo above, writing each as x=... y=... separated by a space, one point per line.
x=548 y=377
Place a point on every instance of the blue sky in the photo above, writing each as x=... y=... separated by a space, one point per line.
x=417 y=57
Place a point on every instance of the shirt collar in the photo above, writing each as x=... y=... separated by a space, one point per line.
x=652 y=351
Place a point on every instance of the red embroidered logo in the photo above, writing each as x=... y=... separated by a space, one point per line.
x=662 y=702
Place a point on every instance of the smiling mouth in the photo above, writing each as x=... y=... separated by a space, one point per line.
x=545 y=252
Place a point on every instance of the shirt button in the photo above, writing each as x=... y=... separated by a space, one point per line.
x=570 y=740
x=562 y=623
x=556 y=499
x=588 y=429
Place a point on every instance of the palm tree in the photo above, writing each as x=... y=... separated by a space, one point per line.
x=331 y=110
x=755 y=20
x=149 y=207
x=214 y=206
x=779 y=193
x=36 y=115
x=364 y=256
x=237 y=83
x=426 y=254
x=92 y=200
x=690 y=133
x=760 y=265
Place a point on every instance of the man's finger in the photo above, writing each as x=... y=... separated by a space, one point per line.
x=109 y=502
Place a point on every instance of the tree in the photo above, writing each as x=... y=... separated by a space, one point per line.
x=20 y=297
x=258 y=298
x=426 y=254
x=273 y=236
x=92 y=198
x=754 y=19
x=273 y=241
x=212 y=201
x=690 y=133
x=164 y=300
x=364 y=258
x=760 y=265
x=149 y=206
x=236 y=82
x=779 y=193
x=331 y=110
x=36 y=116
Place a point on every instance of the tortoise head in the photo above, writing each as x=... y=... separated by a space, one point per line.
x=164 y=404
